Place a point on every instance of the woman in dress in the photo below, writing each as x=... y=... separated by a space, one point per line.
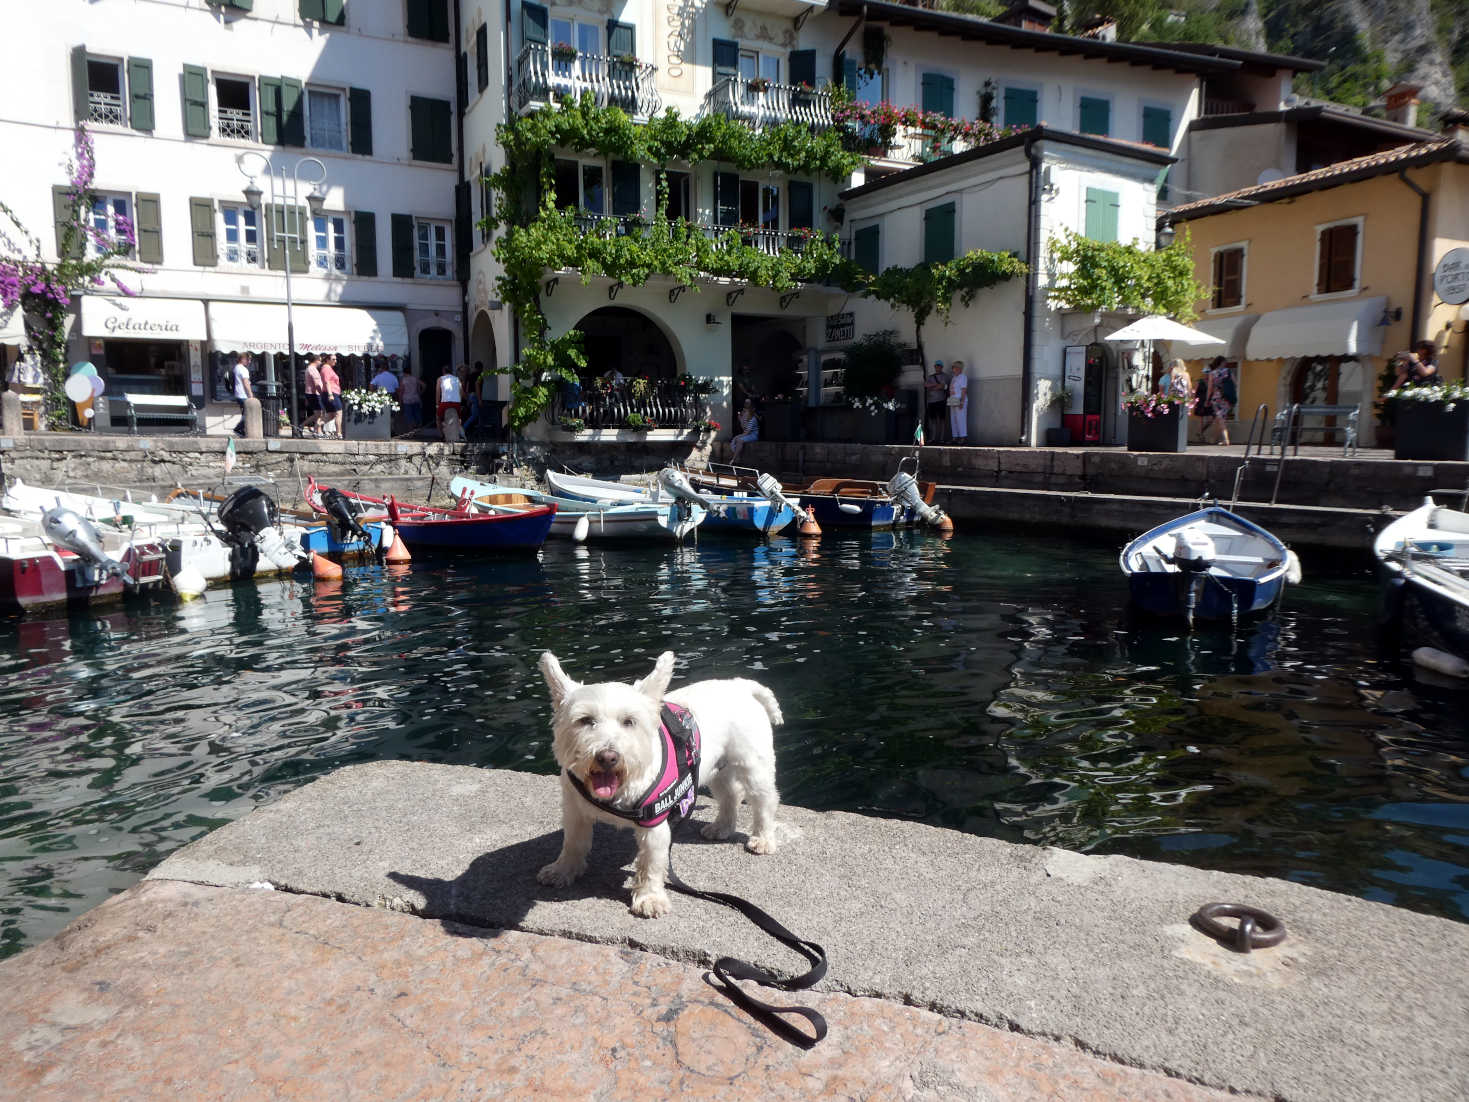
x=1221 y=405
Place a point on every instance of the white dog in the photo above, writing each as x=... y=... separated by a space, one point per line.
x=614 y=758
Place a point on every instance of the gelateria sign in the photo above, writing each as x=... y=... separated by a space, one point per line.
x=1451 y=277
x=143 y=319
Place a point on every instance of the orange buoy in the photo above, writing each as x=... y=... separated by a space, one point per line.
x=945 y=524
x=398 y=553
x=323 y=569
x=808 y=526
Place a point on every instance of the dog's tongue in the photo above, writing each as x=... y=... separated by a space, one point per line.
x=604 y=785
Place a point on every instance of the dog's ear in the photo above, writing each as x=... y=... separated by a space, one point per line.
x=556 y=680
x=656 y=683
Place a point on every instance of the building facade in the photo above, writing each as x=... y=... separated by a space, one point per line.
x=185 y=102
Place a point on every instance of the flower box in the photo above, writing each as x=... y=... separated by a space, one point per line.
x=1165 y=431
x=1431 y=430
x=367 y=426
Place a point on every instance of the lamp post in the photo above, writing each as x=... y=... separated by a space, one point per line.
x=285 y=231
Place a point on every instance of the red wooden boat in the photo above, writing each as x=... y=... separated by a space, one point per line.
x=432 y=528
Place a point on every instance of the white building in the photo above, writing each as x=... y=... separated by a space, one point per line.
x=173 y=93
x=773 y=60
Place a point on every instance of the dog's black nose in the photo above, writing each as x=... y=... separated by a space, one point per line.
x=608 y=759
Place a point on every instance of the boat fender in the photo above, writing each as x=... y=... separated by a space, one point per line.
x=583 y=526
x=1292 y=567
x=1450 y=665
x=848 y=507
x=189 y=582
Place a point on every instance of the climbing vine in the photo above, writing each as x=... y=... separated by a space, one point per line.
x=1108 y=275
x=928 y=289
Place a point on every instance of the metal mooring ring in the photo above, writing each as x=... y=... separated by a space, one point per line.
x=1257 y=929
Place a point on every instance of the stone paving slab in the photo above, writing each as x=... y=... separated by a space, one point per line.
x=175 y=990
x=1363 y=1001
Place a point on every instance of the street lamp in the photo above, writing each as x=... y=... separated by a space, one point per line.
x=285 y=232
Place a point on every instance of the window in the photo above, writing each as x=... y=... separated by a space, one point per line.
x=1094 y=116
x=938 y=234
x=1229 y=277
x=111 y=218
x=1158 y=127
x=1021 y=107
x=433 y=250
x=482 y=57
x=1336 y=256
x=240 y=239
x=680 y=196
x=429 y=19
x=326 y=120
x=104 y=93
x=431 y=129
x=1101 y=214
x=865 y=243
x=593 y=189
x=329 y=244
x=581 y=184
x=233 y=113
x=585 y=39
x=757 y=63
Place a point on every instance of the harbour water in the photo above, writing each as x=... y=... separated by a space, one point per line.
x=990 y=684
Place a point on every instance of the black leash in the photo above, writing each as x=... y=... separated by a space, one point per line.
x=727 y=970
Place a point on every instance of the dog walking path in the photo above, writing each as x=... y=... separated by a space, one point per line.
x=407 y=952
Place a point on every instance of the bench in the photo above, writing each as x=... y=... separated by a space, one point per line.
x=1298 y=415
x=164 y=407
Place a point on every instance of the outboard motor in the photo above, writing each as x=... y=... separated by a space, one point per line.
x=247 y=514
x=1193 y=554
x=903 y=489
x=343 y=513
x=67 y=529
x=775 y=493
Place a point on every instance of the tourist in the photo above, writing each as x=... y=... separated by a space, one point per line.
x=1222 y=396
x=749 y=428
x=447 y=395
x=385 y=380
x=410 y=395
x=243 y=390
x=959 y=405
x=1178 y=384
x=312 y=398
x=1419 y=367
x=25 y=373
x=936 y=388
x=471 y=397
x=331 y=397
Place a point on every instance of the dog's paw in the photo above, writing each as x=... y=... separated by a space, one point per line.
x=650 y=904
x=714 y=832
x=558 y=875
x=764 y=844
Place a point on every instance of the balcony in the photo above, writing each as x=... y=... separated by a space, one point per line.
x=769 y=241
x=761 y=102
x=666 y=403
x=105 y=109
x=235 y=123
x=541 y=78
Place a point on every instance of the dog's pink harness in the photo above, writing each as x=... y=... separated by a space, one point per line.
x=672 y=794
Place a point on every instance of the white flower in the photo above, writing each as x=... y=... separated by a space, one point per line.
x=369 y=400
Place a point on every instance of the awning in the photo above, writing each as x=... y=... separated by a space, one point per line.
x=12 y=328
x=1347 y=328
x=1233 y=331
x=143 y=319
x=346 y=330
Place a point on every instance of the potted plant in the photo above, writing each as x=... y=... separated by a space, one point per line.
x=369 y=413
x=1156 y=422
x=757 y=84
x=638 y=423
x=1430 y=422
x=573 y=425
x=706 y=426
x=563 y=52
x=639 y=388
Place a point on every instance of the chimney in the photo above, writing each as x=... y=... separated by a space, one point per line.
x=1454 y=123
x=1401 y=103
x=1028 y=15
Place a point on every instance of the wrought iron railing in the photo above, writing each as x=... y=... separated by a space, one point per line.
x=769 y=241
x=235 y=123
x=613 y=81
x=661 y=403
x=1214 y=105
x=762 y=102
x=104 y=108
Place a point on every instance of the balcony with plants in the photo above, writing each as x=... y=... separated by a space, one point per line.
x=560 y=73
x=757 y=101
x=600 y=404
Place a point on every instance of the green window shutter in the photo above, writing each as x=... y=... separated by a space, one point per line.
x=463 y=227
x=726 y=199
x=275 y=251
x=293 y=113
x=431 y=129
x=196 y=102
x=726 y=58
x=535 y=22
x=140 y=93
x=482 y=57
x=938 y=94
x=1101 y=214
x=938 y=234
x=1158 y=126
x=418 y=20
x=627 y=188
x=148 y=224
x=335 y=12
x=403 y=246
x=1096 y=116
x=238 y=5
x=803 y=67
x=865 y=244
x=429 y=19
x=803 y=204
x=1022 y=107
x=201 y=224
x=364 y=248
x=622 y=38
x=461 y=79
x=279 y=216
x=844 y=72
x=313 y=9
x=270 y=110
x=80 y=85
x=359 y=121
x=66 y=230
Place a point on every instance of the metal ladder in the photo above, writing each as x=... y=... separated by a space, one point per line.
x=1261 y=420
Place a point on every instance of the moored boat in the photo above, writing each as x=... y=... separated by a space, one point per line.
x=1423 y=567
x=841 y=502
x=1210 y=564
x=635 y=521
x=738 y=512
x=431 y=528
x=60 y=561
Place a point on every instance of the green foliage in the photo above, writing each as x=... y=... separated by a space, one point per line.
x=873 y=363
x=926 y=289
x=1108 y=275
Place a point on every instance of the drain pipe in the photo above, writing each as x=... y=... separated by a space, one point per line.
x=459 y=137
x=1418 y=333
x=1027 y=437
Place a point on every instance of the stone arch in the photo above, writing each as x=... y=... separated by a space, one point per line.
x=630 y=340
x=483 y=349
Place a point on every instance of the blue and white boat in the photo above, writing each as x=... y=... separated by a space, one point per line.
x=1423 y=565
x=576 y=519
x=1211 y=564
x=738 y=512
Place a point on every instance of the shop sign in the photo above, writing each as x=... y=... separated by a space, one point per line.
x=1451 y=277
x=840 y=327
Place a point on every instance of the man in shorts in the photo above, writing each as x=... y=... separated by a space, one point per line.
x=449 y=395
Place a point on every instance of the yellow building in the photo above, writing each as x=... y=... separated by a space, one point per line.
x=1318 y=279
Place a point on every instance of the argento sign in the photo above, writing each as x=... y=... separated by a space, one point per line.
x=122 y=326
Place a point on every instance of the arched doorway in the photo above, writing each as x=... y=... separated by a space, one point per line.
x=482 y=350
x=435 y=353
x=625 y=341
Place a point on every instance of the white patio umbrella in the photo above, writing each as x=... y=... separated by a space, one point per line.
x=1155 y=327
